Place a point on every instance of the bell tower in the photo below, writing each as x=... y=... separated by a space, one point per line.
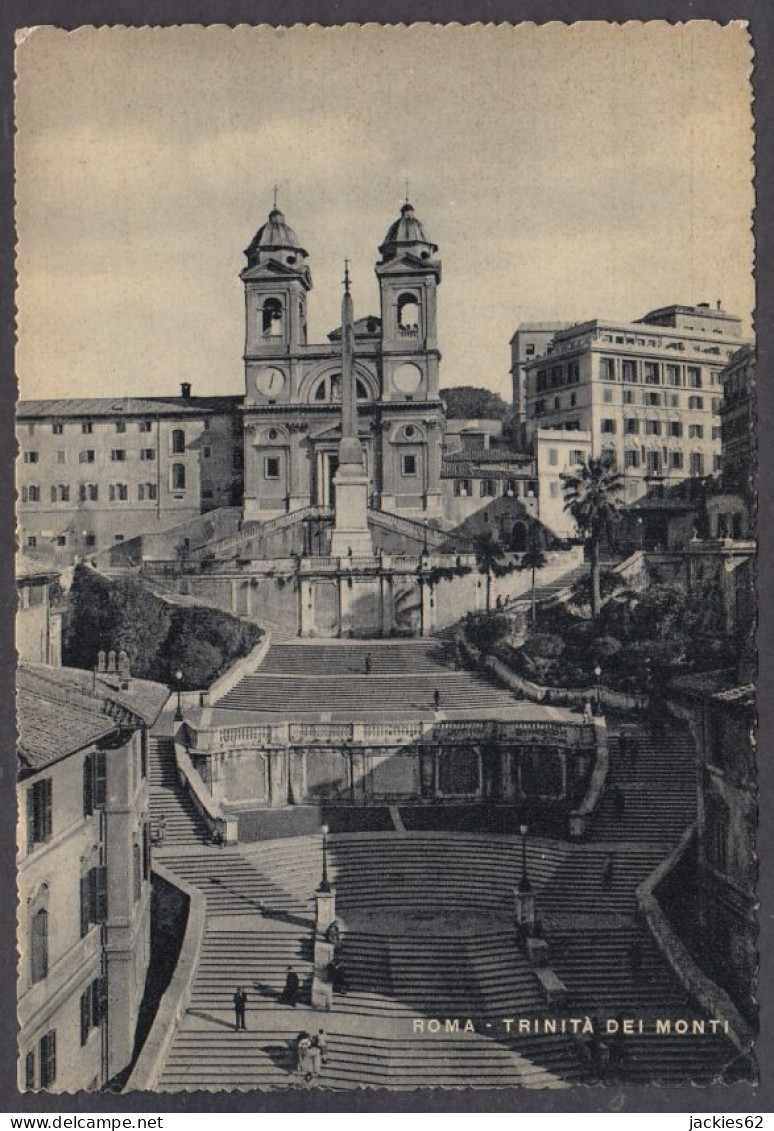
x=277 y=280
x=409 y=272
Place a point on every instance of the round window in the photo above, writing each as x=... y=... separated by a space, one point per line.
x=273 y=433
x=409 y=431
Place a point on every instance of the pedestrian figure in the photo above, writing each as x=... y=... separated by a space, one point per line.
x=367 y=664
x=161 y=829
x=240 y=1004
x=320 y=1042
x=635 y=960
x=619 y=802
x=437 y=699
x=337 y=977
x=607 y=872
x=333 y=934
x=290 y=993
x=587 y=716
x=303 y=1048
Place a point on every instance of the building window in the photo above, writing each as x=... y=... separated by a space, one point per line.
x=32 y=541
x=608 y=427
x=462 y=488
x=628 y=396
x=557 y=404
x=90 y=540
x=540 y=408
x=717 y=404
x=717 y=465
x=631 y=458
x=39 y=945
x=576 y=456
x=529 y=349
x=541 y=383
x=61 y=539
x=86 y=456
x=147 y=454
x=94 y=781
x=118 y=492
x=716 y=432
x=145 y=425
x=573 y=373
x=57 y=429
x=696 y=403
x=178 y=477
x=137 y=871
x=88 y=491
x=652 y=374
x=47 y=1057
x=178 y=441
x=654 y=463
x=206 y=452
x=408 y=465
x=118 y=455
x=607 y=368
x=30 y=457
x=488 y=488
x=653 y=400
x=674 y=400
x=271 y=467
x=693 y=374
x=631 y=426
x=573 y=400
x=61 y=493
x=676 y=461
x=553 y=457
x=39 y=813
x=408 y=313
x=120 y=426
x=87 y=427
x=553 y=489
x=61 y=457
x=629 y=370
x=697 y=463
x=94 y=897
x=652 y=427
x=695 y=431
x=30 y=494
x=119 y=537
x=146 y=491
x=92 y=1008
x=673 y=376
x=675 y=428
x=607 y=396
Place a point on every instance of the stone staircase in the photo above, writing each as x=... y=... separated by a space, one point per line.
x=658 y=786
x=184 y=826
x=404 y=678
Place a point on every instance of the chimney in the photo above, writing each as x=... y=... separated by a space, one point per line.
x=185 y=390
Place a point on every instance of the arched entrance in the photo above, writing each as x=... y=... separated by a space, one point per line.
x=519 y=538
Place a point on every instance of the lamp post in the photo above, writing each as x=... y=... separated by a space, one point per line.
x=325 y=882
x=179 y=711
x=524 y=885
x=598 y=677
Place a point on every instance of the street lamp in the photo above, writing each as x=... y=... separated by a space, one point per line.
x=524 y=885
x=179 y=711
x=325 y=883
x=598 y=677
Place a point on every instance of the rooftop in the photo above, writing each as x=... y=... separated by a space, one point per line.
x=110 y=407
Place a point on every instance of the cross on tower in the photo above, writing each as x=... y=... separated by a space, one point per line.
x=407 y=192
x=276 y=190
x=346 y=275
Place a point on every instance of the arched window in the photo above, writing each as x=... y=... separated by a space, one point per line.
x=302 y=319
x=271 y=318
x=178 y=477
x=408 y=314
x=329 y=389
x=178 y=440
x=519 y=538
x=39 y=945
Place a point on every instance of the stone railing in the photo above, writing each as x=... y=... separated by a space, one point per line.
x=238 y=670
x=150 y=1063
x=221 y=827
x=429 y=535
x=581 y=818
x=710 y=996
x=253 y=527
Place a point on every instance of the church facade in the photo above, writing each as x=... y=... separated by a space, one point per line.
x=293 y=388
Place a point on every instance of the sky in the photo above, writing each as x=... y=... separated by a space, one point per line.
x=566 y=173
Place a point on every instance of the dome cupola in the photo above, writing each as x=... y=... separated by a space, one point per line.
x=407 y=234
x=276 y=240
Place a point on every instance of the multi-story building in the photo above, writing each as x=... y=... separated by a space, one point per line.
x=650 y=392
x=530 y=340
x=293 y=388
x=84 y=857
x=738 y=421
x=98 y=471
x=38 y=635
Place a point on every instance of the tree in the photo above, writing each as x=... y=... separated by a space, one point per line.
x=468 y=402
x=533 y=559
x=592 y=497
x=491 y=560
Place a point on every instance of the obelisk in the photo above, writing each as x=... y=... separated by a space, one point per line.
x=351 y=536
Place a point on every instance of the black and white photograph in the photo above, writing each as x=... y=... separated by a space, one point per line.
x=385 y=558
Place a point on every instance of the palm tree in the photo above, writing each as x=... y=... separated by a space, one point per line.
x=490 y=560
x=592 y=497
x=534 y=559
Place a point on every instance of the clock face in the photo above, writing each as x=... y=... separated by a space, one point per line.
x=407 y=378
x=270 y=381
